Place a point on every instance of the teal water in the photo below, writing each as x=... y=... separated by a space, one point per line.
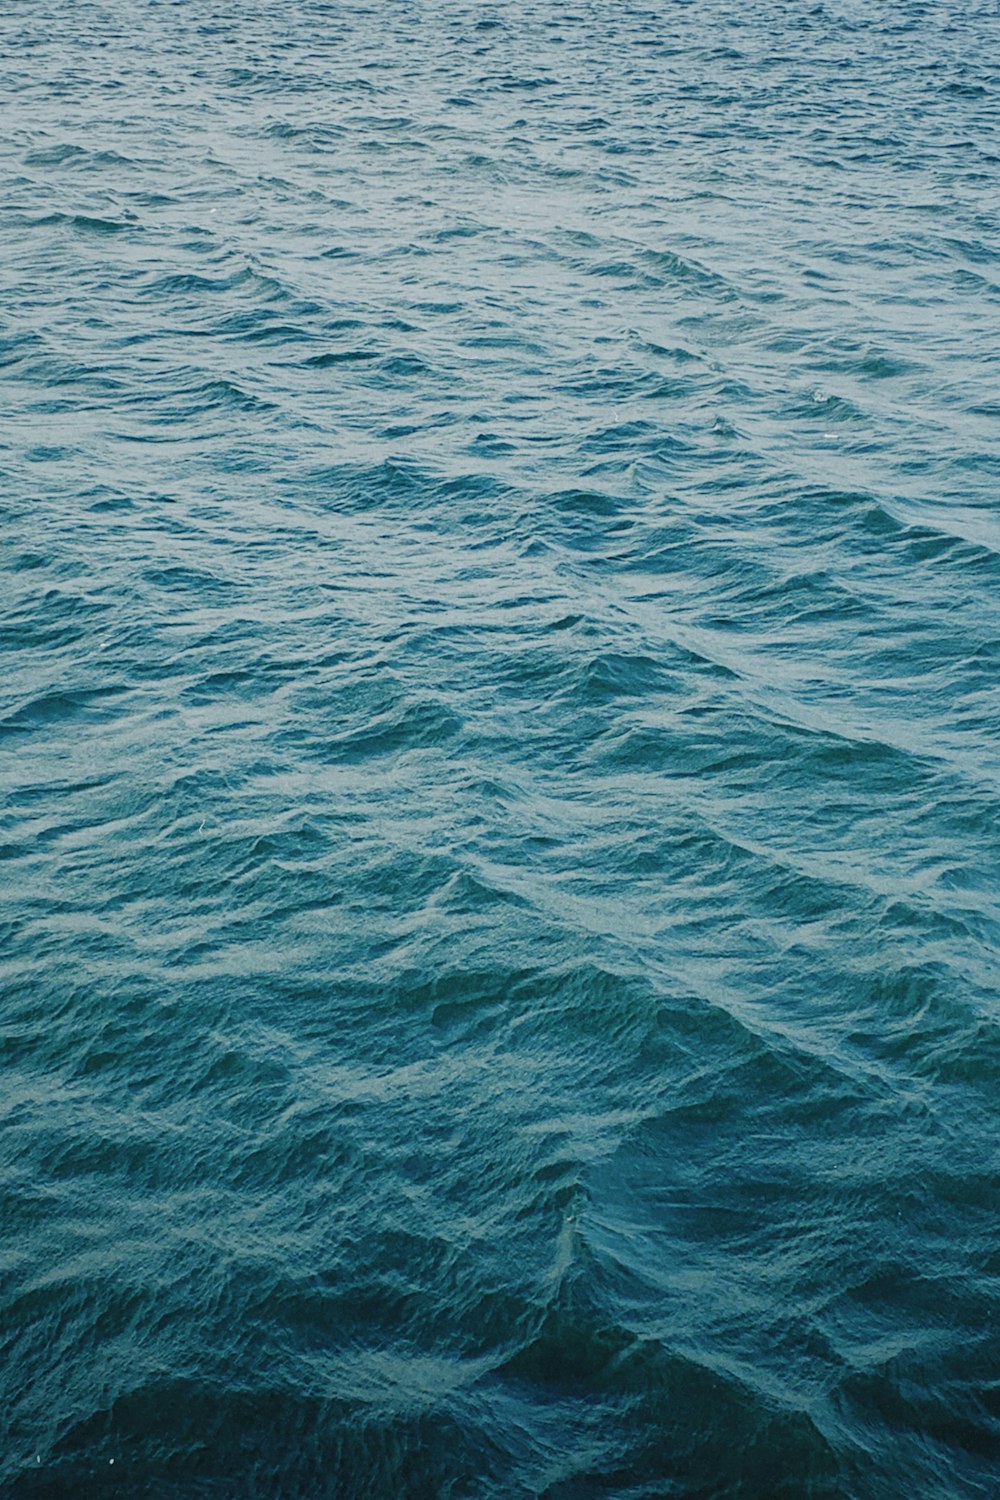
x=499 y=739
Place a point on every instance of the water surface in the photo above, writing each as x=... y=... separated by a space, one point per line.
x=499 y=742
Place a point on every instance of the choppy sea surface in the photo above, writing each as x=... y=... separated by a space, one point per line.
x=500 y=750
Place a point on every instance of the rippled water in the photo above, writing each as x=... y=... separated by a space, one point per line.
x=500 y=746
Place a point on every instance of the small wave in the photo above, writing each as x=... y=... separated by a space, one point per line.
x=50 y=708
x=409 y=726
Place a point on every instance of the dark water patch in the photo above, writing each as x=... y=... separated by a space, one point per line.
x=87 y=223
x=333 y=357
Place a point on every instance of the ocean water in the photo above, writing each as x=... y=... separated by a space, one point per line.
x=500 y=750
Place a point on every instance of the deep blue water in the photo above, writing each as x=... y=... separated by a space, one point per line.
x=500 y=743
